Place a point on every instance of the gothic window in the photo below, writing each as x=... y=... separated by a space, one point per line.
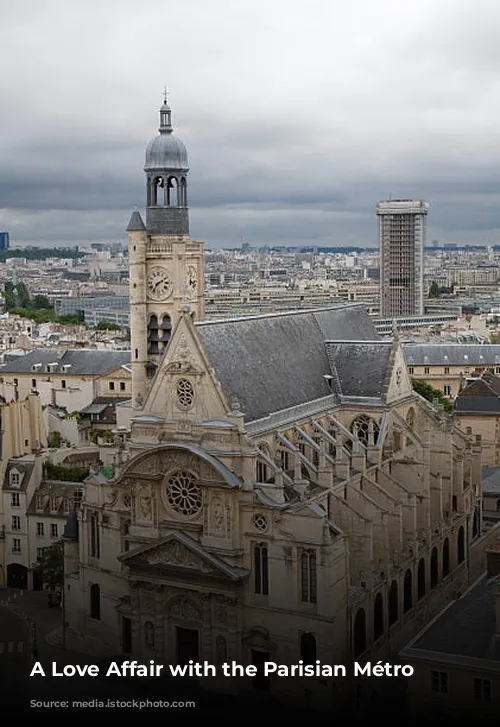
x=259 y=522
x=221 y=649
x=421 y=580
x=285 y=461
x=407 y=591
x=149 y=635
x=360 y=633
x=184 y=494
x=153 y=335
x=261 y=569
x=308 y=648
x=393 y=603
x=185 y=394
x=95 y=540
x=410 y=418
x=95 y=601
x=446 y=558
x=378 y=617
x=461 y=545
x=362 y=423
x=308 y=576
x=434 y=568
x=261 y=471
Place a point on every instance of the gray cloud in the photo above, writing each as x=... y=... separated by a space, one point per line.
x=298 y=117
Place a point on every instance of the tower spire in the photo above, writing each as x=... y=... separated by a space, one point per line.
x=165 y=115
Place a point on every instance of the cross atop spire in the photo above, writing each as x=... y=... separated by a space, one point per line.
x=165 y=95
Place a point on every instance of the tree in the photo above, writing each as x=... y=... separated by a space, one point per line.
x=431 y=394
x=434 y=290
x=107 y=326
x=50 y=567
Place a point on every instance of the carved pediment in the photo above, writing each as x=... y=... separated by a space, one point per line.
x=182 y=553
x=177 y=554
x=184 y=367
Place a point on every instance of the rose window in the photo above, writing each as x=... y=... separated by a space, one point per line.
x=185 y=394
x=260 y=522
x=183 y=493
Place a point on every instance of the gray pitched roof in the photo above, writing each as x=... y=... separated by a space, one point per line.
x=451 y=354
x=24 y=467
x=78 y=362
x=467 y=627
x=274 y=362
x=477 y=404
x=491 y=480
x=362 y=366
x=135 y=224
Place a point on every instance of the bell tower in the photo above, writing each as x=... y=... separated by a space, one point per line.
x=166 y=266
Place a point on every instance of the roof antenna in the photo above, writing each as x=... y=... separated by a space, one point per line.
x=165 y=95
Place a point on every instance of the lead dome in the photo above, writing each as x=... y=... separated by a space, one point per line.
x=166 y=151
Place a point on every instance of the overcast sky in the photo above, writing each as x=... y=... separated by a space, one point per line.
x=298 y=116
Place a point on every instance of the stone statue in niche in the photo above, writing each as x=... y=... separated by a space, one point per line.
x=218 y=517
x=145 y=509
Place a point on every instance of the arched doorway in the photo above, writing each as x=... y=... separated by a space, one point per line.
x=393 y=603
x=434 y=568
x=461 y=545
x=17 y=576
x=421 y=579
x=378 y=617
x=408 y=591
x=446 y=558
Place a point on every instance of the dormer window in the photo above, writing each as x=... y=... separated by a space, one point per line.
x=54 y=504
x=40 y=504
x=15 y=479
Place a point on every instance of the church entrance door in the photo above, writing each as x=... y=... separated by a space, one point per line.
x=188 y=646
x=260 y=680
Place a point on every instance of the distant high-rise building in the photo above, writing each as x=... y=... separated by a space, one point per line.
x=4 y=241
x=402 y=242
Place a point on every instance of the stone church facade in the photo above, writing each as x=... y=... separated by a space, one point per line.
x=286 y=494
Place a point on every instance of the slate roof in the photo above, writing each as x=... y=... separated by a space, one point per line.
x=136 y=223
x=80 y=362
x=491 y=480
x=277 y=361
x=362 y=366
x=25 y=469
x=51 y=490
x=481 y=396
x=467 y=628
x=451 y=354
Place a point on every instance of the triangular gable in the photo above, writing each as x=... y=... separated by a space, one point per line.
x=399 y=384
x=180 y=552
x=185 y=360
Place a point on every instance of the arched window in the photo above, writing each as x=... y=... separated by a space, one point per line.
x=308 y=648
x=408 y=591
x=393 y=603
x=461 y=545
x=158 y=192
x=378 y=617
x=149 y=635
x=95 y=601
x=446 y=558
x=434 y=568
x=308 y=576
x=172 y=192
x=365 y=426
x=153 y=335
x=421 y=579
x=410 y=418
x=262 y=469
x=360 y=633
x=183 y=200
x=475 y=525
x=165 y=330
x=261 y=569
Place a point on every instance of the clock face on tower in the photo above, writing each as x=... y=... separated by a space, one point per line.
x=158 y=284
x=191 y=279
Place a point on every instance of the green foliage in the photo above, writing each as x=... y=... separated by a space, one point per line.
x=74 y=415
x=65 y=474
x=54 y=439
x=435 y=291
x=103 y=435
x=431 y=394
x=50 y=568
x=38 y=309
x=107 y=326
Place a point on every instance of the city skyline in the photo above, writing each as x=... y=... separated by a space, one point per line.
x=322 y=115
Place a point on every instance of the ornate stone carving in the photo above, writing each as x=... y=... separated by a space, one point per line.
x=218 y=518
x=220 y=613
x=111 y=497
x=184 y=609
x=147 y=466
x=175 y=553
x=148 y=601
x=144 y=509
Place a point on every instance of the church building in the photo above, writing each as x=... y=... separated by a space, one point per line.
x=287 y=495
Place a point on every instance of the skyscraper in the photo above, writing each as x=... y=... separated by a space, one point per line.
x=402 y=242
x=4 y=241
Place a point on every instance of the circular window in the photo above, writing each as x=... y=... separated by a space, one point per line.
x=260 y=522
x=185 y=394
x=183 y=494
